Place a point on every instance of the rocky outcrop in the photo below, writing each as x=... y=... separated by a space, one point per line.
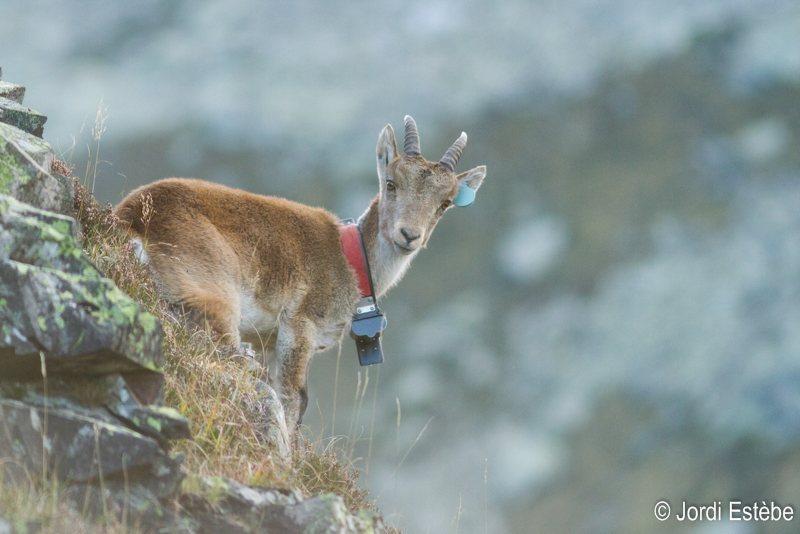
x=55 y=300
x=81 y=389
x=25 y=159
x=12 y=92
x=76 y=446
x=14 y=113
x=218 y=505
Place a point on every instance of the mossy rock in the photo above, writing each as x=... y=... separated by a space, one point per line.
x=54 y=301
x=25 y=164
x=10 y=91
x=19 y=116
x=159 y=422
x=42 y=239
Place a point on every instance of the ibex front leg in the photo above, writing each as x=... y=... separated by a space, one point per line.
x=294 y=348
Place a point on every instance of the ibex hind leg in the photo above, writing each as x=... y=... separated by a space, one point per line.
x=217 y=311
x=207 y=295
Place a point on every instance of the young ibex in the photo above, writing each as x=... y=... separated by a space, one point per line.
x=246 y=264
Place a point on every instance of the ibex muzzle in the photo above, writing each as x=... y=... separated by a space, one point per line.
x=249 y=265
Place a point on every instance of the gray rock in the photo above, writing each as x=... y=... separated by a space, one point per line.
x=83 y=325
x=208 y=522
x=42 y=239
x=256 y=509
x=250 y=506
x=34 y=147
x=131 y=503
x=26 y=119
x=108 y=399
x=158 y=422
x=25 y=163
x=12 y=92
x=81 y=322
x=84 y=402
x=241 y=498
x=81 y=396
x=147 y=387
x=67 y=204
x=72 y=446
x=328 y=513
x=164 y=477
x=272 y=422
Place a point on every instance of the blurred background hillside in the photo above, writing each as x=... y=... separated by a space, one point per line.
x=615 y=321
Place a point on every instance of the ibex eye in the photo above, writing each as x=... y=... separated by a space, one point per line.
x=390 y=185
x=446 y=204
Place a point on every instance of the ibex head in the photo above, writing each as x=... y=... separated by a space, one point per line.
x=415 y=192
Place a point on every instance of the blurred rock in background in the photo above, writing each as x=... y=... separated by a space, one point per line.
x=612 y=323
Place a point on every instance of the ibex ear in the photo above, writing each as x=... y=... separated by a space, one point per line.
x=468 y=183
x=387 y=150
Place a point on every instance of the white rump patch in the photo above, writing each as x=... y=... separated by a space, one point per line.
x=138 y=249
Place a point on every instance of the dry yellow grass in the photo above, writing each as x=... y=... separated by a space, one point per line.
x=38 y=506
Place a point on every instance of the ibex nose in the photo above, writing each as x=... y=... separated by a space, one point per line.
x=409 y=235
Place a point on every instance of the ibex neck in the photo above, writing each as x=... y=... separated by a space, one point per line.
x=386 y=265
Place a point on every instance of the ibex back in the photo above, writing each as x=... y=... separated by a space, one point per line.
x=249 y=265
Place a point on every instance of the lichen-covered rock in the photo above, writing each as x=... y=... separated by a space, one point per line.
x=82 y=396
x=83 y=325
x=159 y=422
x=80 y=321
x=72 y=446
x=25 y=163
x=107 y=398
x=257 y=509
x=239 y=498
x=328 y=513
x=64 y=177
x=25 y=119
x=34 y=147
x=12 y=92
x=132 y=504
x=42 y=239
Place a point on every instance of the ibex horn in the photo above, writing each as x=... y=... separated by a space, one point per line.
x=412 y=138
x=450 y=158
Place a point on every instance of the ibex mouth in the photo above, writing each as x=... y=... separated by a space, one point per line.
x=403 y=249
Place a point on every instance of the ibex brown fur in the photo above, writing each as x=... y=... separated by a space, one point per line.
x=249 y=265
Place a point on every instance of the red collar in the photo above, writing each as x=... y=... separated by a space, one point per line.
x=353 y=247
x=368 y=321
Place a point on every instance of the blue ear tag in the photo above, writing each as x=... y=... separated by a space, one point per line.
x=465 y=197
